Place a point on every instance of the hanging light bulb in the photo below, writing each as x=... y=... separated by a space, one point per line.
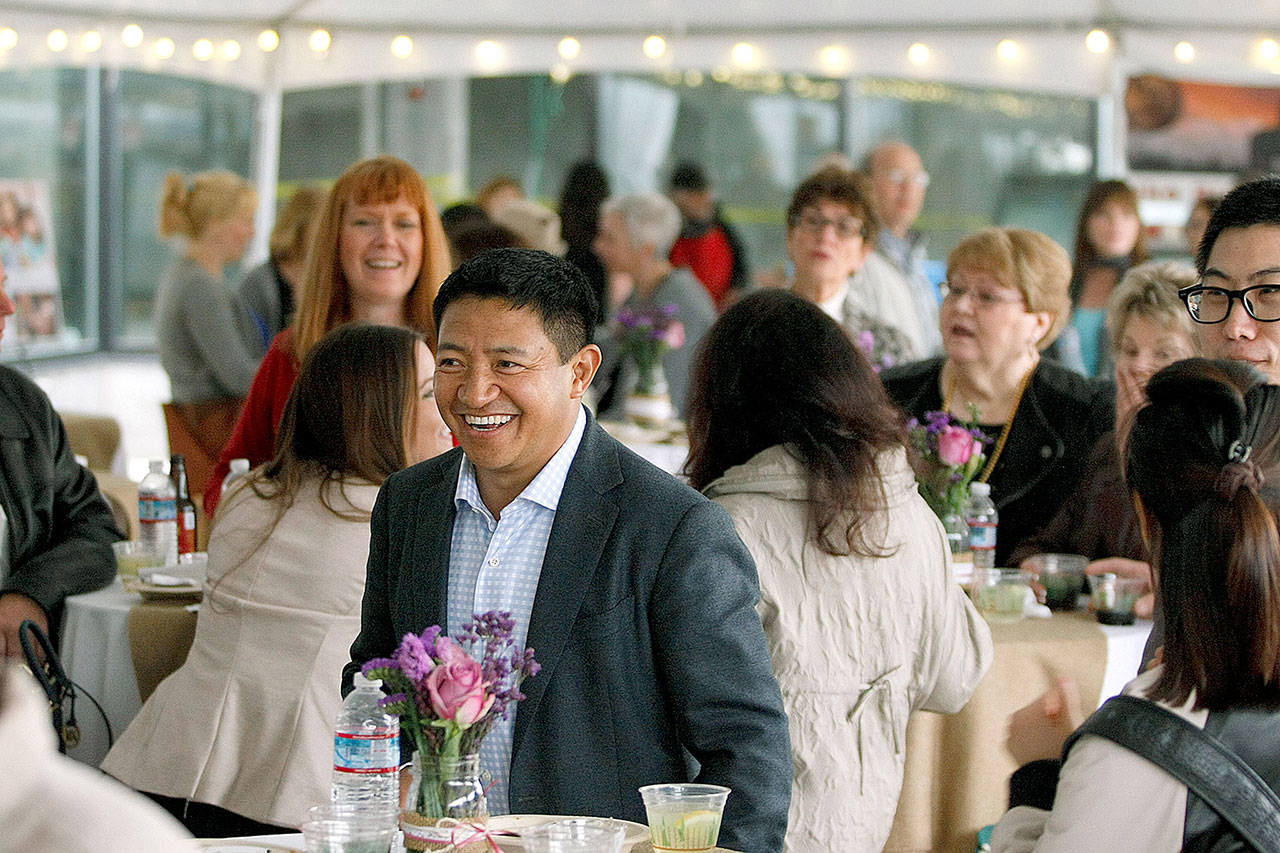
x=164 y=48
x=57 y=40
x=1098 y=41
x=401 y=47
x=654 y=47
x=319 y=40
x=569 y=48
x=131 y=35
x=268 y=40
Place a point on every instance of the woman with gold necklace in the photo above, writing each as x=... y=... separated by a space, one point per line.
x=1006 y=299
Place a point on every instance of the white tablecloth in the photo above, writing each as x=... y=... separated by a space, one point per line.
x=96 y=655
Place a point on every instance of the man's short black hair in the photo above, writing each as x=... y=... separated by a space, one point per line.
x=554 y=288
x=1254 y=203
x=689 y=176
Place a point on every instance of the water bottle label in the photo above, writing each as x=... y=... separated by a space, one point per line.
x=366 y=753
x=982 y=535
x=157 y=509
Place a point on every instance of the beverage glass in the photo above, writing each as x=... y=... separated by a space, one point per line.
x=132 y=556
x=1000 y=594
x=1061 y=576
x=684 y=815
x=349 y=831
x=576 y=835
x=1114 y=597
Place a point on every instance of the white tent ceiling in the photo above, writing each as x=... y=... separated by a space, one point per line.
x=864 y=37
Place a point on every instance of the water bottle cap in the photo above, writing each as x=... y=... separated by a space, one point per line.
x=980 y=489
x=240 y=465
x=156 y=466
x=361 y=680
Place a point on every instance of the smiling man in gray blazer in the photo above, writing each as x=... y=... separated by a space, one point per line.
x=634 y=591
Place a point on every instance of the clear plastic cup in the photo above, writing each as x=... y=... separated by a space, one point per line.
x=1001 y=594
x=349 y=830
x=1114 y=597
x=576 y=835
x=684 y=815
x=131 y=556
x=1061 y=576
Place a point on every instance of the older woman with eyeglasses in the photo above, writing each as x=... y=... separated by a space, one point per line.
x=831 y=230
x=1005 y=301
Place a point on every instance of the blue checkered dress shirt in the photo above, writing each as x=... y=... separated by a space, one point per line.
x=495 y=565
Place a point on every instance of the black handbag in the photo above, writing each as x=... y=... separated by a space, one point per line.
x=1209 y=769
x=44 y=664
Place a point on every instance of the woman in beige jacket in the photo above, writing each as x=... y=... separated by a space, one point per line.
x=240 y=739
x=792 y=434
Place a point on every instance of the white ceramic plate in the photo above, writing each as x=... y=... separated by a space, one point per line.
x=222 y=845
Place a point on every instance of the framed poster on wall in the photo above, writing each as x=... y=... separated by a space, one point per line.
x=30 y=261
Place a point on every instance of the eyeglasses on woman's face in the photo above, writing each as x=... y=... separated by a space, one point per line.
x=985 y=298
x=1212 y=304
x=815 y=225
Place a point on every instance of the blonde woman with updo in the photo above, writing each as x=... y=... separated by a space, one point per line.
x=207 y=344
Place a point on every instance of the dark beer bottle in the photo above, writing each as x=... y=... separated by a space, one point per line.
x=186 y=508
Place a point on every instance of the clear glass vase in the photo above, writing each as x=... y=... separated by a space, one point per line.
x=958 y=541
x=649 y=403
x=444 y=804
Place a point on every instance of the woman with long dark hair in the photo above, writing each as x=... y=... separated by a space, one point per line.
x=792 y=434
x=1203 y=462
x=239 y=740
x=1109 y=241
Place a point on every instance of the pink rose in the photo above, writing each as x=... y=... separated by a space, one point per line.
x=675 y=334
x=456 y=686
x=955 y=445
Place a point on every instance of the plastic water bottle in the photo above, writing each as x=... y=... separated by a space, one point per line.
x=366 y=749
x=158 y=513
x=239 y=467
x=982 y=518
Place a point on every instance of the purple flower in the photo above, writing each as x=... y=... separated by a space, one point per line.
x=413 y=657
x=867 y=341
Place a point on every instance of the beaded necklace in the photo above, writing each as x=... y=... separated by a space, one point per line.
x=1008 y=425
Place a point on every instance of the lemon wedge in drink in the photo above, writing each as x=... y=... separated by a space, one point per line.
x=695 y=830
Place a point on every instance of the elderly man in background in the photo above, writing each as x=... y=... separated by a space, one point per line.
x=898 y=182
x=55 y=528
x=1236 y=302
x=635 y=237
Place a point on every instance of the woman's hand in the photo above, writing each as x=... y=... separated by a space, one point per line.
x=1122 y=566
x=1040 y=729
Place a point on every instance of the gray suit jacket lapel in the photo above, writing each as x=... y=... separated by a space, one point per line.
x=584 y=520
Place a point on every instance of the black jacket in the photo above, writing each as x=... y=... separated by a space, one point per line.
x=60 y=528
x=1060 y=418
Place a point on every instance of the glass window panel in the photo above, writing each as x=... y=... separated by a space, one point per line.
x=996 y=157
x=44 y=233
x=163 y=124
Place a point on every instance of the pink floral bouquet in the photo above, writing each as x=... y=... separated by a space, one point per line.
x=447 y=699
x=949 y=455
x=646 y=335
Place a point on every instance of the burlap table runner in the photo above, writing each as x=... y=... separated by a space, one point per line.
x=957 y=773
x=160 y=635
